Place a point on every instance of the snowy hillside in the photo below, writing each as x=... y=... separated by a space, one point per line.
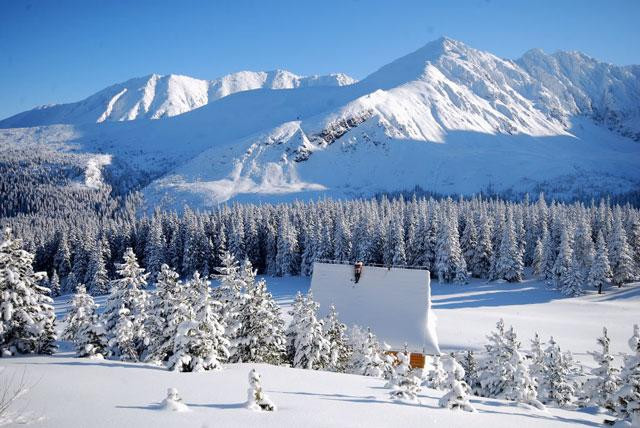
x=447 y=117
x=156 y=96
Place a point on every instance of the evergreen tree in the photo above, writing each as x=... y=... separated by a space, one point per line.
x=572 y=280
x=407 y=385
x=125 y=311
x=436 y=378
x=27 y=321
x=537 y=358
x=260 y=337
x=600 y=271
x=450 y=264
x=564 y=260
x=519 y=385
x=257 y=399
x=471 y=375
x=308 y=345
x=600 y=389
x=200 y=343
x=538 y=259
x=367 y=358
x=54 y=284
x=154 y=251
x=170 y=306
x=494 y=374
x=481 y=261
x=457 y=397
x=97 y=275
x=620 y=255
x=81 y=313
x=335 y=332
x=555 y=387
x=627 y=398
x=509 y=264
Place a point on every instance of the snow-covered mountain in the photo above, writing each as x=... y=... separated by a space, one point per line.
x=446 y=117
x=156 y=96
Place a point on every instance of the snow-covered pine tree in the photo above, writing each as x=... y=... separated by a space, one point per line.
x=367 y=358
x=519 y=385
x=469 y=243
x=600 y=389
x=571 y=282
x=256 y=398
x=91 y=340
x=457 y=397
x=81 y=313
x=537 y=358
x=509 y=264
x=170 y=306
x=200 y=343
x=538 y=259
x=260 y=336
x=548 y=255
x=436 y=377
x=154 y=251
x=450 y=265
x=311 y=349
x=564 y=260
x=125 y=313
x=627 y=398
x=335 y=332
x=471 y=375
x=600 y=271
x=407 y=385
x=27 y=321
x=54 y=284
x=481 y=262
x=97 y=276
x=621 y=255
x=555 y=387
x=494 y=375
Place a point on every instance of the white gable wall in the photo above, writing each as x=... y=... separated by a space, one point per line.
x=395 y=303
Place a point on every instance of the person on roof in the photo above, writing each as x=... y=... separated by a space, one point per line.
x=357 y=271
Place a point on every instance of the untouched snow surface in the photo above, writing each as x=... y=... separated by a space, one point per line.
x=66 y=391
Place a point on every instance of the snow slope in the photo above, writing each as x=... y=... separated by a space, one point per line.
x=447 y=117
x=65 y=391
x=74 y=392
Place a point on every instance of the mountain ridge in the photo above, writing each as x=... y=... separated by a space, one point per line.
x=447 y=117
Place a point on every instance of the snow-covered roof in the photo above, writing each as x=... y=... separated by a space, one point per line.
x=395 y=303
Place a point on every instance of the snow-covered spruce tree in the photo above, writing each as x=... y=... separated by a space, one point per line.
x=231 y=293
x=260 y=336
x=600 y=389
x=471 y=375
x=564 y=260
x=200 y=343
x=555 y=387
x=436 y=377
x=170 y=306
x=548 y=255
x=256 y=398
x=97 y=277
x=509 y=264
x=407 y=385
x=469 y=243
x=537 y=358
x=520 y=386
x=27 y=321
x=306 y=340
x=627 y=398
x=571 y=282
x=154 y=251
x=54 y=284
x=623 y=265
x=81 y=313
x=125 y=312
x=493 y=376
x=600 y=271
x=583 y=248
x=335 y=332
x=457 y=398
x=91 y=340
x=481 y=261
x=538 y=260
x=450 y=265
x=367 y=358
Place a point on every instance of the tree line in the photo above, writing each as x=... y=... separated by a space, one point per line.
x=574 y=247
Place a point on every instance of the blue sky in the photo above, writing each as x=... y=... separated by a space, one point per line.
x=62 y=51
